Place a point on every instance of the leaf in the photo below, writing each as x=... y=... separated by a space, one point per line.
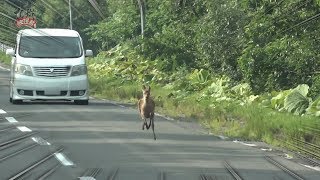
x=241 y=89
x=296 y=102
x=277 y=102
x=314 y=107
x=303 y=89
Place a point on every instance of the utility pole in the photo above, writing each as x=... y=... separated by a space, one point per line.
x=142 y=15
x=70 y=14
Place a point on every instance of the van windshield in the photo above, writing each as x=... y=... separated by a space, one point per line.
x=50 y=47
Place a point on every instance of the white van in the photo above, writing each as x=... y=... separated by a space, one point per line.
x=49 y=64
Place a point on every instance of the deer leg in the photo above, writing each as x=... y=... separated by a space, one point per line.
x=152 y=125
x=154 y=135
x=148 y=126
x=144 y=123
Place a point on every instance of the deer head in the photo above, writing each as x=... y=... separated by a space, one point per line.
x=146 y=91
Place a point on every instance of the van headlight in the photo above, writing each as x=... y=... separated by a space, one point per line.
x=79 y=70
x=23 y=69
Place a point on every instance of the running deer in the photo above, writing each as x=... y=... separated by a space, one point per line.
x=146 y=109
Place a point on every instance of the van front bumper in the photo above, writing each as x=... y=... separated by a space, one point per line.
x=62 y=88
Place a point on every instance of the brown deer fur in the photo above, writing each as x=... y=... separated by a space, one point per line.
x=146 y=109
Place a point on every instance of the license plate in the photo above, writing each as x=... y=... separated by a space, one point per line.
x=52 y=92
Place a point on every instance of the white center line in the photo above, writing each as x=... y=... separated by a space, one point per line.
x=24 y=129
x=2 y=111
x=63 y=159
x=40 y=141
x=11 y=119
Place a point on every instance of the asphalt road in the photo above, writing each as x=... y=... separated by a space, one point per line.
x=60 y=140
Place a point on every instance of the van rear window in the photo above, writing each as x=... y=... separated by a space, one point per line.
x=50 y=47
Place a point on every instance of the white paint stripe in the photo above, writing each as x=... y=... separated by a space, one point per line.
x=86 y=178
x=247 y=144
x=2 y=111
x=11 y=119
x=24 y=129
x=264 y=149
x=40 y=141
x=251 y=145
x=316 y=168
x=63 y=159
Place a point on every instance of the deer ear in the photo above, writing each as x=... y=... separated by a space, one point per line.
x=143 y=87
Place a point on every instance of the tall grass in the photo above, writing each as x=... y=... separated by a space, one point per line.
x=4 y=58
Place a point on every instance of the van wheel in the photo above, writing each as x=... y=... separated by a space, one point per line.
x=16 y=101
x=81 y=102
x=10 y=100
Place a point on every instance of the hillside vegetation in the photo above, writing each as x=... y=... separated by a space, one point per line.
x=246 y=69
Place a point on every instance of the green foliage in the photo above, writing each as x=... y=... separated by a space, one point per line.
x=121 y=25
x=315 y=88
x=5 y=58
x=120 y=63
x=277 y=102
x=314 y=108
x=7 y=27
x=278 y=54
x=297 y=102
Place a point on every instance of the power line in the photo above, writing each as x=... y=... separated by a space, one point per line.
x=279 y=32
x=72 y=6
x=303 y=22
x=53 y=9
x=95 y=5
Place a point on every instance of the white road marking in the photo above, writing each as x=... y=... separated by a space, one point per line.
x=63 y=159
x=316 y=168
x=86 y=178
x=11 y=119
x=2 y=111
x=264 y=149
x=40 y=141
x=24 y=129
x=247 y=144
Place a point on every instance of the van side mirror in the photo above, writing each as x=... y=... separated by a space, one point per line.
x=88 y=53
x=10 y=52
